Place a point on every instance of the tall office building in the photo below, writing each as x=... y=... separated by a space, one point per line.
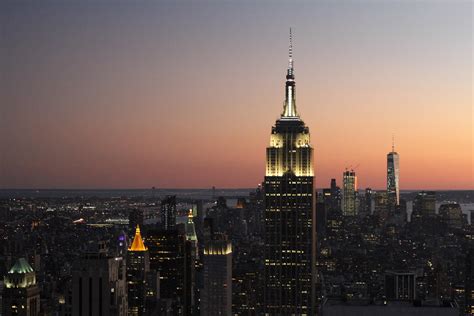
x=21 y=294
x=393 y=174
x=171 y=256
x=349 y=189
x=138 y=265
x=335 y=196
x=369 y=199
x=380 y=202
x=168 y=212
x=216 y=297
x=424 y=205
x=290 y=229
x=451 y=214
x=99 y=284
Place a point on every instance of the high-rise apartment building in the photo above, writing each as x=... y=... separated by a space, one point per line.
x=290 y=229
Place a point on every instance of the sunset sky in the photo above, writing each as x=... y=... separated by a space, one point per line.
x=111 y=94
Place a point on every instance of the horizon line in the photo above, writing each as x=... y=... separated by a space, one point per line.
x=200 y=188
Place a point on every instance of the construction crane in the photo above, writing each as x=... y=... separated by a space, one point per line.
x=352 y=169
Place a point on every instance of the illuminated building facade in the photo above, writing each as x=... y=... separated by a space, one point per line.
x=216 y=297
x=138 y=265
x=393 y=174
x=290 y=229
x=21 y=294
x=349 y=193
x=191 y=230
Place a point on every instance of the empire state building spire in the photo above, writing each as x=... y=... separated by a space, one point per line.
x=289 y=108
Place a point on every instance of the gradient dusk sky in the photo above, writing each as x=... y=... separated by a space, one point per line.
x=134 y=94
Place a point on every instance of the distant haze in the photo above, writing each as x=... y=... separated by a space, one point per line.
x=117 y=94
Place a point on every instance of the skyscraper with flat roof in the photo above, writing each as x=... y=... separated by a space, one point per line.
x=424 y=205
x=290 y=229
x=171 y=256
x=216 y=297
x=168 y=212
x=99 y=284
x=349 y=189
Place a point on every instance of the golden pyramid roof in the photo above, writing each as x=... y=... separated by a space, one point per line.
x=137 y=244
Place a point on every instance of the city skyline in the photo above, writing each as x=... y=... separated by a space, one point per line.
x=186 y=105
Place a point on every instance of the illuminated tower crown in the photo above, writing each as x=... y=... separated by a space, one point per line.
x=21 y=275
x=290 y=148
x=137 y=244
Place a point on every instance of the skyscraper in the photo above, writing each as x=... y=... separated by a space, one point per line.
x=393 y=173
x=349 y=189
x=21 y=294
x=369 y=198
x=171 y=256
x=424 y=205
x=335 y=196
x=451 y=215
x=168 y=212
x=289 y=212
x=138 y=265
x=99 y=284
x=216 y=297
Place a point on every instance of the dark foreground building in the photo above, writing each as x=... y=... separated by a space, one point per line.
x=336 y=307
x=171 y=256
x=289 y=213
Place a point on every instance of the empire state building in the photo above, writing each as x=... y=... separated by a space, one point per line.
x=290 y=233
